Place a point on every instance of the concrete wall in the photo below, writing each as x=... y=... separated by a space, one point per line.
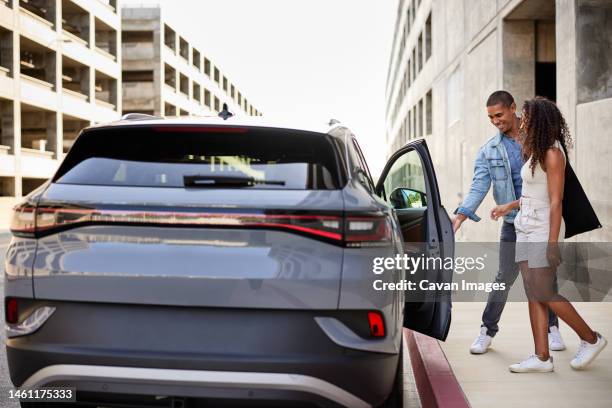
x=478 y=48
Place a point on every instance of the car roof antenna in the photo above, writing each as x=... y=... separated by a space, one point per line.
x=225 y=113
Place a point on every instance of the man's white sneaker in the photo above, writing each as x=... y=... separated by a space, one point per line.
x=587 y=352
x=482 y=342
x=555 y=341
x=533 y=365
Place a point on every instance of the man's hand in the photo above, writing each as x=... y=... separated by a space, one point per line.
x=457 y=221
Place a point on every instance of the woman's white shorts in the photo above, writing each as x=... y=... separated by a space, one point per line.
x=532 y=224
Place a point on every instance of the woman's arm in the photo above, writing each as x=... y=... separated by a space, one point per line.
x=555 y=174
x=503 y=209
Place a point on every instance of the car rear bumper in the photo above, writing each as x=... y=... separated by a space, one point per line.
x=199 y=352
x=189 y=383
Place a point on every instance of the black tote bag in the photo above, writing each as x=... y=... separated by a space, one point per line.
x=578 y=212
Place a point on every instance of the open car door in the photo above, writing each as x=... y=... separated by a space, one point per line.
x=408 y=184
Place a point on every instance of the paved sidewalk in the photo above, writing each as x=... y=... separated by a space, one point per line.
x=486 y=381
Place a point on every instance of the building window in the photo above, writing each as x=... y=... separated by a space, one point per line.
x=207 y=66
x=184 y=84
x=428 y=113
x=105 y=38
x=217 y=105
x=170 y=38
x=420 y=118
x=196 y=93
x=169 y=110
x=428 y=38
x=170 y=76
x=233 y=88
x=183 y=48
x=225 y=87
x=207 y=98
x=419 y=52
x=196 y=59
x=413 y=64
x=217 y=76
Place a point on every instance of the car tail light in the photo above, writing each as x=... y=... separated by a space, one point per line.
x=352 y=231
x=23 y=221
x=11 y=307
x=363 y=231
x=377 y=324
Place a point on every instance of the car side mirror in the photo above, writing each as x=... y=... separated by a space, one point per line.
x=402 y=198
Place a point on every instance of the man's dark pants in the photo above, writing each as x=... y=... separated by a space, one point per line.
x=507 y=274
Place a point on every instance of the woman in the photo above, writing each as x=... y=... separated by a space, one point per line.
x=539 y=227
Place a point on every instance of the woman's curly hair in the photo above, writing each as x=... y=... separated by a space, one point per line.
x=541 y=125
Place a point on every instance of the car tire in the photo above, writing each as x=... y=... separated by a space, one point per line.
x=396 y=397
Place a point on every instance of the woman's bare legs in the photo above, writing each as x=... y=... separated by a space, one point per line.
x=539 y=288
x=538 y=314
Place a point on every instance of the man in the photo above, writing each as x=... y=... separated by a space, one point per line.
x=499 y=163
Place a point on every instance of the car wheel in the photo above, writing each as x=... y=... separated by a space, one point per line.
x=396 y=398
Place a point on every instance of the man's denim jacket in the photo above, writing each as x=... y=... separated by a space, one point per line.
x=491 y=166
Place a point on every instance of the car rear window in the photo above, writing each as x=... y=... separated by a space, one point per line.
x=174 y=156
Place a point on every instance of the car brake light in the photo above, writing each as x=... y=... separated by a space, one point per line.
x=23 y=221
x=362 y=230
x=377 y=325
x=12 y=310
x=367 y=231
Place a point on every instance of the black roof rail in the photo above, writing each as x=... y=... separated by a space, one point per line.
x=138 y=116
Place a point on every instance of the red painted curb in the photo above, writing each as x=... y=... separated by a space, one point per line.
x=437 y=385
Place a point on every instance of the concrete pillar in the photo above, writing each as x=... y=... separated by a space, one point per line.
x=53 y=131
x=519 y=59
x=16 y=139
x=565 y=35
x=593 y=45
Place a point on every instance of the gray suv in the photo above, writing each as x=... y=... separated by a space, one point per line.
x=178 y=262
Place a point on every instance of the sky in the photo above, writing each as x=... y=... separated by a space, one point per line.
x=300 y=60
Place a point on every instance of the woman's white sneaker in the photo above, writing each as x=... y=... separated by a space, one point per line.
x=555 y=341
x=587 y=352
x=482 y=342
x=533 y=364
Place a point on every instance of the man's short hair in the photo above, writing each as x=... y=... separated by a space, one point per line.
x=503 y=97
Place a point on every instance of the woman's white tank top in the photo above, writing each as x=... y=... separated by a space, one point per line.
x=536 y=185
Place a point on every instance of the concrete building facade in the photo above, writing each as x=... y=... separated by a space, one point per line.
x=164 y=74
x=59 y=72
x=449 y=55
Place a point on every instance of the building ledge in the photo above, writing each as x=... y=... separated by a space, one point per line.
x=106 y=53
x=36 y=17
x=36 y=153
x=108 y=6
x=74 y=93
x=105 y=104
x=4 y=150
x=37 y=81
x=74 y=38
x=4 y=71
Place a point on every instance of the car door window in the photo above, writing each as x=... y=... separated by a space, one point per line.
x=405 y=183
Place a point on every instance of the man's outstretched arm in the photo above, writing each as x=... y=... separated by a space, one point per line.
x=481 y=182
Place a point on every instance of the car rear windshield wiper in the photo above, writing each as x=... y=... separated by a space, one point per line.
x=197 y=180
